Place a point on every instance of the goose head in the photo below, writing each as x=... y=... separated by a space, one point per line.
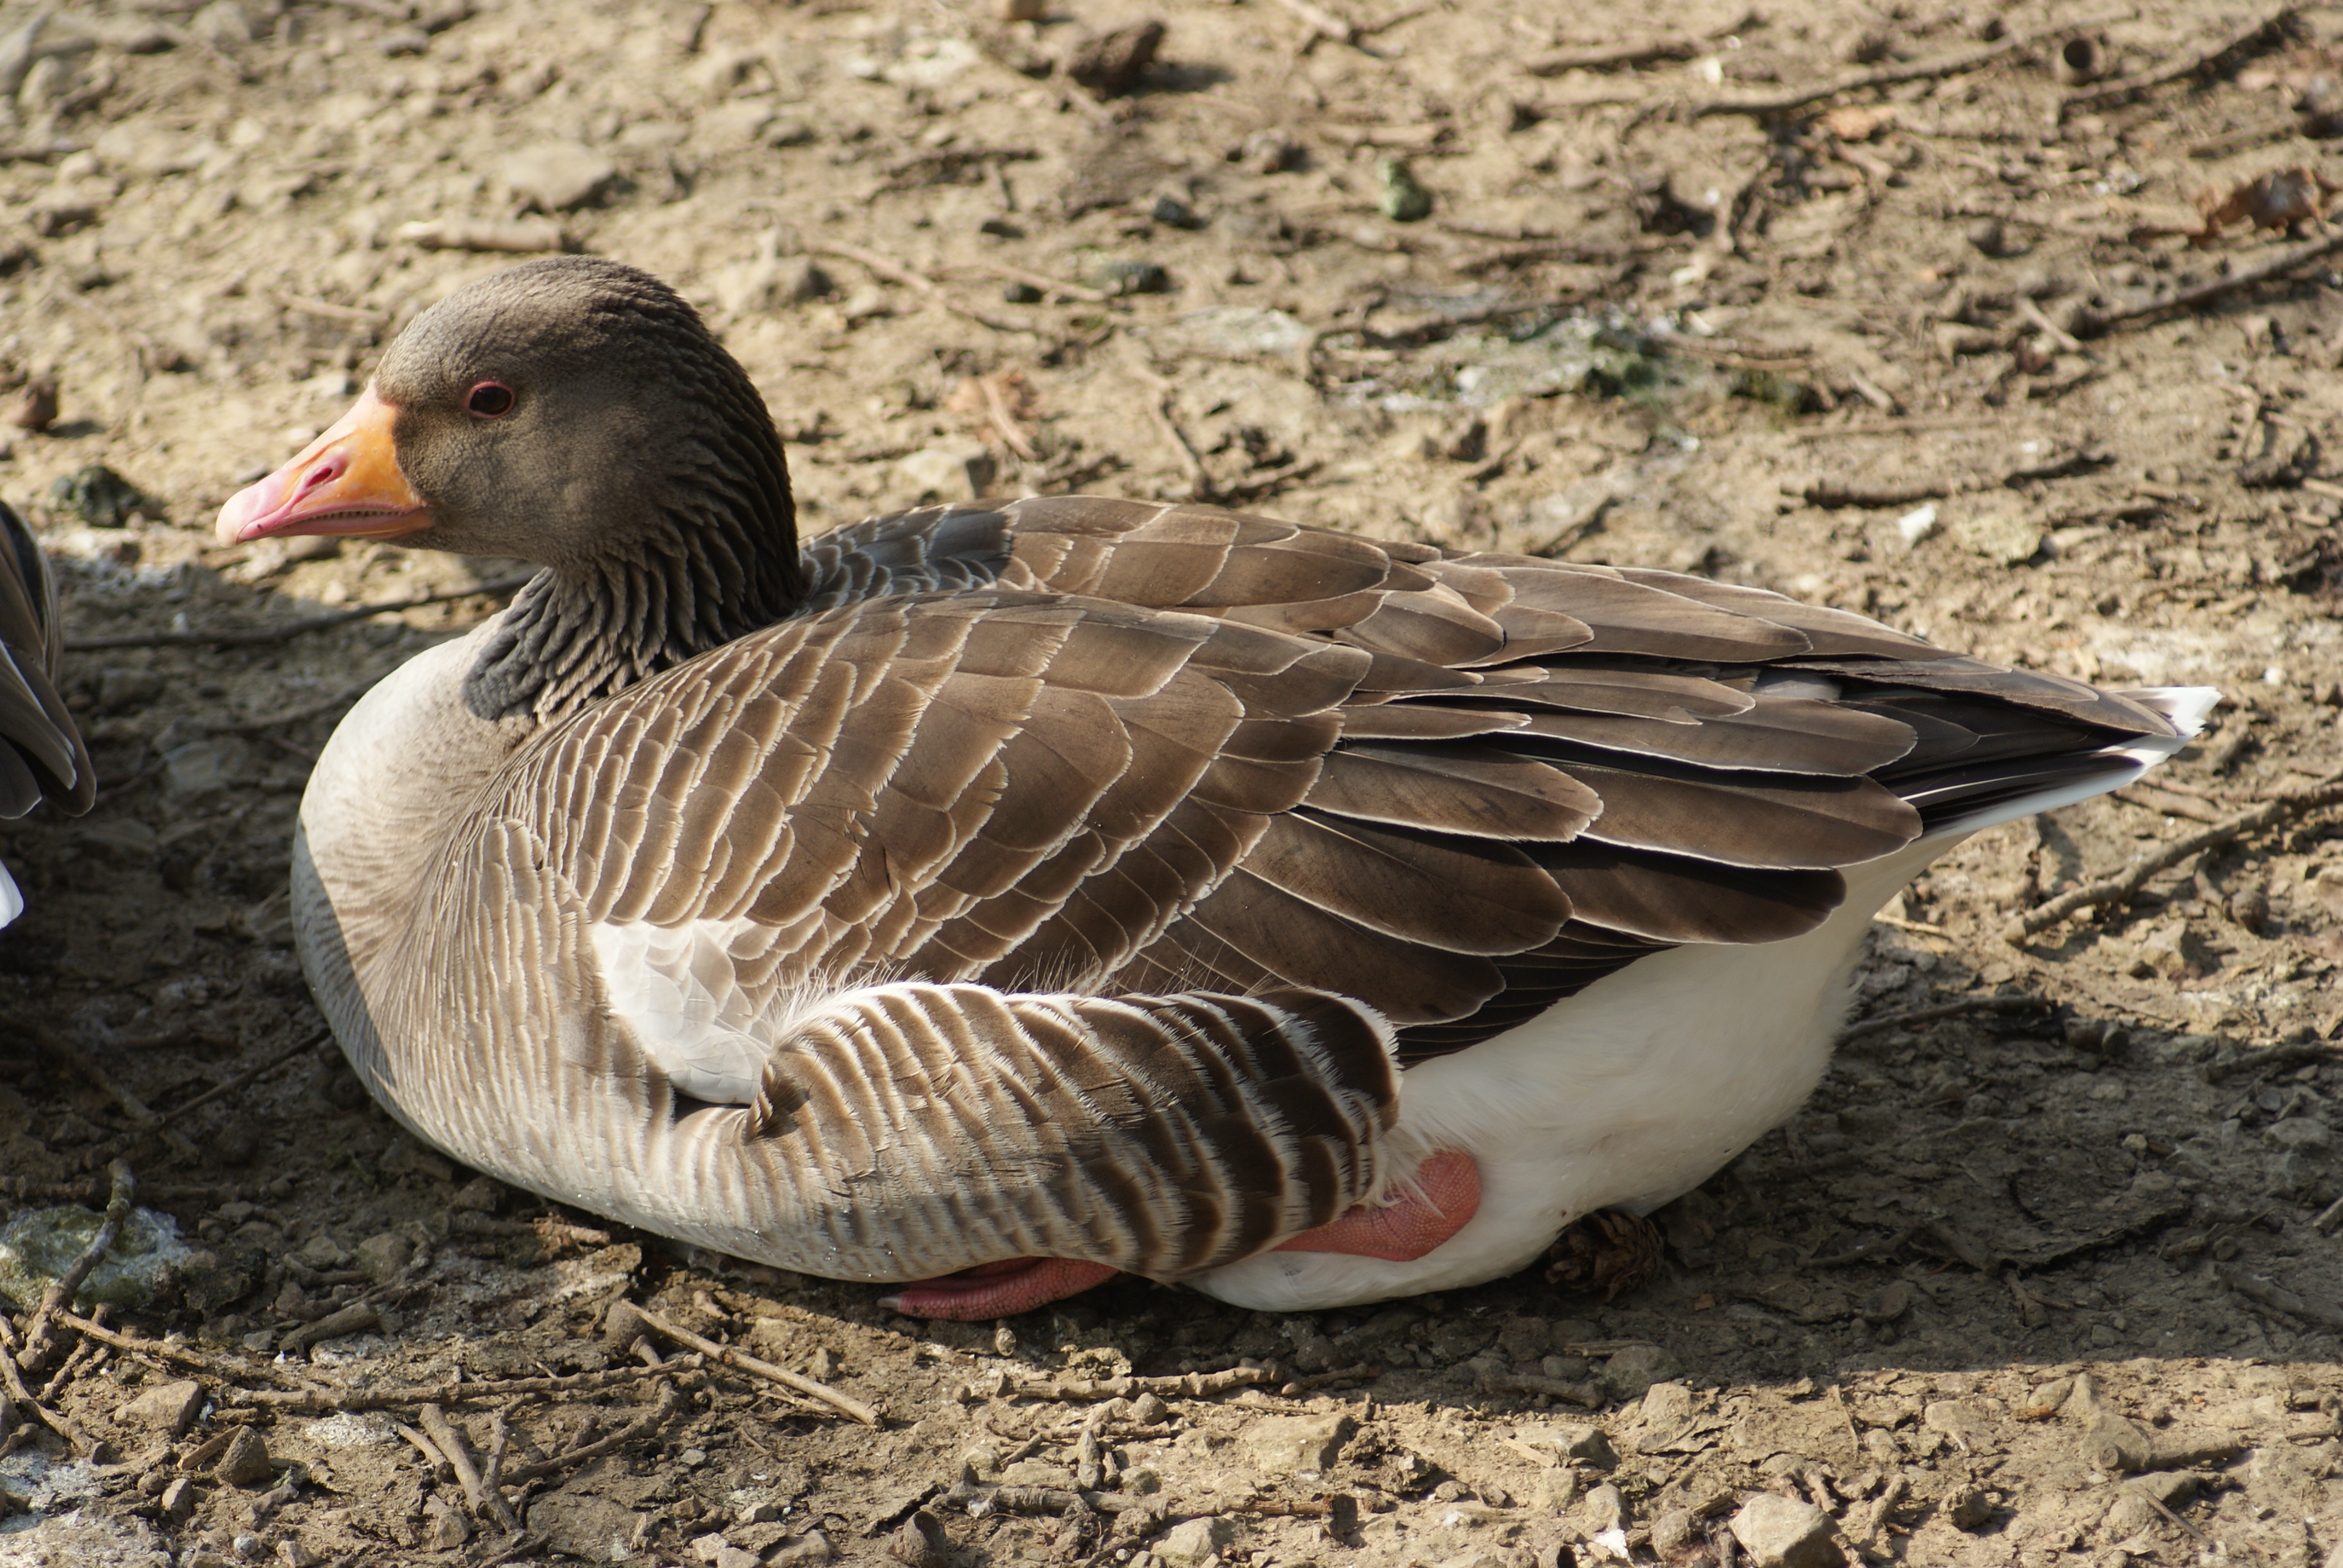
x=574 y=412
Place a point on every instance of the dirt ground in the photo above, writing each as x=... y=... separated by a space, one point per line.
x=1912 y=310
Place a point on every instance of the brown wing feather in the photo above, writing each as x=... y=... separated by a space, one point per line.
x=41 y=752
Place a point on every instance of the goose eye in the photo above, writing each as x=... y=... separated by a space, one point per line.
x=489 y=399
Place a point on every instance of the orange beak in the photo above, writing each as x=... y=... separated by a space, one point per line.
x=347 y=482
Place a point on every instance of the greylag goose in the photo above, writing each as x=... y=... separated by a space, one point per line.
x=41 y=752
x=990 y=899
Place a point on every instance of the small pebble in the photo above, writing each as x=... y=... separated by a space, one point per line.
x=693 y=1458
x=1021 y=293
x=1400 y=198
x=1173 y=213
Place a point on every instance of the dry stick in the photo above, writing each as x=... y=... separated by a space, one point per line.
x=2120 y=888
x=1004 y=421
x=2329 y=1219
x=2093 y=322
x=331 y=311
x=896 y=272
x=157 y=1350
x=321 y=1402
x=17 y=1394
x=451 y=1442
x=634 y=1433
x=845 y=1403
x=2267 y=32
x=2273 y=1058
x=266 y=636
x=1605 y=57
x=1046 y=283
x=1321 y=22
x=73 y=1056
x=1770 y=103
x=1894 y=1020
x=124 y=1143
x=2279 y=1298
x=1200 y=482
x=1190 y=1385
x=61 y=1290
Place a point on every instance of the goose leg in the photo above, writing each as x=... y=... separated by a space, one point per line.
x=999 y=1290
x=1445 y=1194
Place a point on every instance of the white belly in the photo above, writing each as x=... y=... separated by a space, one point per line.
x=1628 y=1094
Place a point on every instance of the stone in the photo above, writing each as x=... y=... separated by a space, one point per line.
x=1604 y=1509
x=2117 y=1445
x=1672 y=1533
x=1666 y=1407
x=200 y=767
x=1632 y=1371
x=1778 y=1531
x=595 y=1529
x=170 y=1408
x=245 y=1462
x=1556 y=1491
x=1296 y=1444
x=1196 y=1542
x=445 y=1530
x=1969 y=1509
x=956 y=473
x=1577 y=1443
x=557 y=176
x=2128 y=1516
x=383 y=1257
x=813 y=1546
x=2301 y=1134
x=179 y=1500
x=1966 y=1421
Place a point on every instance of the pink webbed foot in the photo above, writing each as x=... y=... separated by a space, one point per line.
x=1001 y=1289
x=1447 y=1195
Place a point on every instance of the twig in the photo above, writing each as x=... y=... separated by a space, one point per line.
x=285 y=631
x=350 y=1320
x=2180 y=805
x=1919 y=1015
x=845 y=1403
x=1200 y=481
x=157 y=1350
x=2091 y=322
x=1864 y=1253
x=122 y=1142
x=980 y=1498
x=896 y=272
x=2330 y=1219
x=324 y=1401
x=451 y=1442
x=667 y=1401
x=2266 y=32
x=61 y=1290
x=1004 y=421
x=73 y=1056
x=333 y=312
x=1637 y=52
x=432 y=1458
x=2275 y=1059
x=2120 y=888
x=1044 y=282
x=1321 y=22
x=2163 y=1508
x=1768 y=104
x=1366 y=1372
x=1611 y=57
x=2047 y=328
x=1192 y=1385
x=1553 y=1387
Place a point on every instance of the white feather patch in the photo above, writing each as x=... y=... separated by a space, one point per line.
x=677 y=988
